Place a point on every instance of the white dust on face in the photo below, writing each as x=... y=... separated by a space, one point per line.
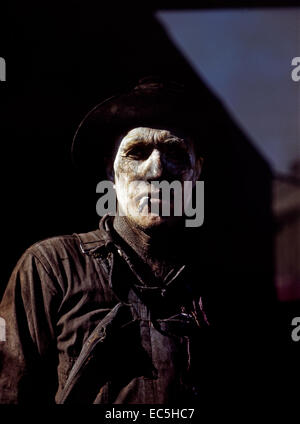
x=145 y=155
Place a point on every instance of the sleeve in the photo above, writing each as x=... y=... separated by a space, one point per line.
x=28 y=354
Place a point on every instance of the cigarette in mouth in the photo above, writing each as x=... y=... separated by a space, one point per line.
x=144 y=201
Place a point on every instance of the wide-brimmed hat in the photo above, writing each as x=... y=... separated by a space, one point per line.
x=152 y=102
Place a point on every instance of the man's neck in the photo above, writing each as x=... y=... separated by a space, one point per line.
x=161 y=248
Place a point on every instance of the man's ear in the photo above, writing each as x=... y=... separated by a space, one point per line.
x=198 y=167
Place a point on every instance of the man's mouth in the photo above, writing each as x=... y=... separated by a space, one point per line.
x=147 y=199
x=151 y=194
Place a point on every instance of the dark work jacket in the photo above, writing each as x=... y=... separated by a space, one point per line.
x=163 y=346
x=62 y=288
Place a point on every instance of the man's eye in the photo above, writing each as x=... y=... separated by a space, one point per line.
x=178 y=155
x=138 y=153
x=174 y=153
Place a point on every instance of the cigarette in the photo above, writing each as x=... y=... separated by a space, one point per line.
x=144 y=201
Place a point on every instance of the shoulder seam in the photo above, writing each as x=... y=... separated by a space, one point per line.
x=41 y=258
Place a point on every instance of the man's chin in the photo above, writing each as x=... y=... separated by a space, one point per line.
x=152 y=221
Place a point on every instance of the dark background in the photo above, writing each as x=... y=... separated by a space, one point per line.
x=62 y=59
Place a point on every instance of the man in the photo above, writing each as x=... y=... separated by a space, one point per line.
x=122 y=314
x=131 y=275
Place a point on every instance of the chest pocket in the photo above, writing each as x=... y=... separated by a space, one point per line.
x=93 y=367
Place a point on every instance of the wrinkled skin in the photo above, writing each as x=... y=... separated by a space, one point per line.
x=145 y=155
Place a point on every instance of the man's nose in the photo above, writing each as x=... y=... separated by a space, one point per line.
x=154 y=166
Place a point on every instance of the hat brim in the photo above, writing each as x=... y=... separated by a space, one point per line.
x=151 y=105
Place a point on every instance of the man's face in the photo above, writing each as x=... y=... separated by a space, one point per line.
x=148 y=155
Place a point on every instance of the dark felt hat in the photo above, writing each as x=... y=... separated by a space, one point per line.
x=153 y=102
